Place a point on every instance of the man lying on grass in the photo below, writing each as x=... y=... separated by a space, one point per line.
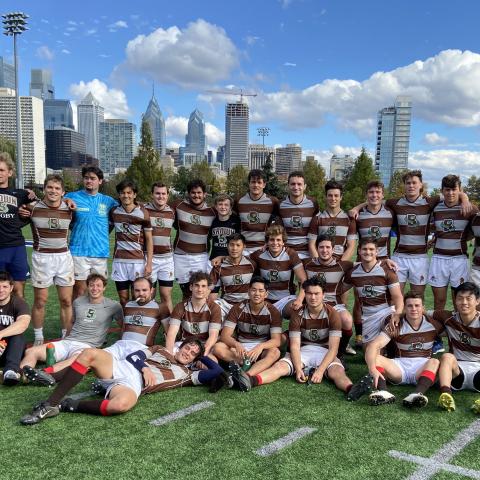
x=143 y=371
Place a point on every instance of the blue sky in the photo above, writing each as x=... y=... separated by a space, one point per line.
x=321 y=69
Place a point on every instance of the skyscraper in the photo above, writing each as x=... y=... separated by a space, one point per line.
x=154 y=117
x=33 y=136
x=65 y=148
x=90 y=114
x=195 y=139
x=258 y=154
x=340 y=167
x=7 y=75
x=57 y=113
x=41 y=85
x=288 y=158
x=236 y=135
x=393 y=138
x=118 y=145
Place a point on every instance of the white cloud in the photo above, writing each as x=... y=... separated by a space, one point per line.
x=45 y=53
x=173 y=145
x=91 y=31
x=435 y=164
x=215 y=136
x=103 y=55
x=66 y=52
x=251 y=39
x=72 y=22
x=444 y=89
x=285 y=3
x=113 y=27
x=71 y=29
x=289 y=64
x=113 y=100
x=434 y=138
x=44 y=20
x=198 y=55
x=177 y=127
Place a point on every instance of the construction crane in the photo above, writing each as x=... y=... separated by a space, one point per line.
x=232 y=92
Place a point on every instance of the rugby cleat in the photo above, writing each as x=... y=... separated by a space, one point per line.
x=224 y=380
x=438 y=347
x=39 y=413
x=10 y=378
x=69 y=405
x=240 y=379
x=415 y=399
x=475 y=408
x=446 y=402
x=363 y=386
x=350 y=350
x=358 y=342
x=38 y=377
x=381 y=397
x=98 y=388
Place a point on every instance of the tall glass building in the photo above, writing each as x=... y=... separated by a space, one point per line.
x=41 y=85
x=236 y=135
x=57 y=113
x=90 y=114
x=393 y=138
x=154 y=117
x=118 y=145
x=7 y=75
x=195 y=139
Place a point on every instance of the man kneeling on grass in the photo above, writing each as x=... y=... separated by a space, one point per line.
x=315 y=331
x=143 y=371
x=259 y=331
x=414 y=337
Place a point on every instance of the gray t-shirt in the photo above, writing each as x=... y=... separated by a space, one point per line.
x=91 y=321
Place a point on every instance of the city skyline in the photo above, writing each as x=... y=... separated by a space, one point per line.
x=321 y=70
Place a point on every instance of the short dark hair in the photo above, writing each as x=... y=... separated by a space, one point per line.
x=296 y=173
x=412 y=173
x=259 y=279
x=126 y=184
x=198 y=276
x=324 y=238
x=53 y=177
x=333 y=185
x=413 y=295
x=468 y=287
x=374 y=184
x=198 y=343
x=96 y=276
x=146 y=279
x=313 y=282
x=236 y=236
x=451 y=181
x=257 y=173
x=364 y=240
x=196 y=183
x=6 y=277
x=92 y=169
x=159 y=185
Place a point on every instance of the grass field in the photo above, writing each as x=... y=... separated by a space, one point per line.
x=350 y=440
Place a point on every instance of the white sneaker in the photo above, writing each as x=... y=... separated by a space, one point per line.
x=350 y=350
x=38 y=341
x=415 y=399
x=381 y=397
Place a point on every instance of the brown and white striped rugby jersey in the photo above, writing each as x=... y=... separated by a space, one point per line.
x=312 y=330
x=373 y=287
x=463 y=340
x=254 y=327
x=192 y=224
x=413 y=343
x=255 y=215
x=234 y=280
x=129 y=233
x=195 y=325
x=168 y=372
x=412 y=222
x=331 y=274
x=451 y=230
x=475 y=229
x=162 y=223
x=50 y=227
x=339 y=228
x=375 y=225
x=278 y=271
x=141 y=322
x=296 y=218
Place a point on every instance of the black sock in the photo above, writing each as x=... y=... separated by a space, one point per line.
x=72 y=377
x=93 y=407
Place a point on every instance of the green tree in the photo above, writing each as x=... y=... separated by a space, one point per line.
x=472 y=189
x=145 y=168
x=315 y=178
x=108 y=187
x=70 y=184
x=396 y=187
x=274 y=186
x=203 y=171
x=237 y=184
x=181 y=179
x=362 y=173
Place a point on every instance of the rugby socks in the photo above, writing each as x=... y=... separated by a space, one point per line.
x=93 y=407
x=425 y=381
x=382 y=383
x=214 y=370
x=38 y=333
x=346 y=335
x=64 y=333
x=445 y=390
x=256 y=380
x=75 y=373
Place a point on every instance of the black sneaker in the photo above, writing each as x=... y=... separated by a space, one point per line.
x=69 y=405
x=240 y=379
x=363 y=386
x=98 y=388
x=42 y=411
x=223 y=380
x=38 y=377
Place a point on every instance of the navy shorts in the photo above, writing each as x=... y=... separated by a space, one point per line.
x=14 y=261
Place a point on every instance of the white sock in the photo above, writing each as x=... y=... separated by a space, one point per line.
x=64 y=332
x=38 y=332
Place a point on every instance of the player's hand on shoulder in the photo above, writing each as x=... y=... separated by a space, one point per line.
x=391 y=264
x=24 y=212
x=70 y=203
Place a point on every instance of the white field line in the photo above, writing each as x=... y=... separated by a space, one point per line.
x=283 y=442
x=181 y=413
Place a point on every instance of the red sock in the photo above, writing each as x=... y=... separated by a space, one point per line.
x=103 y=408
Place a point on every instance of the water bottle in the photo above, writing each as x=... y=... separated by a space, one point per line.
x=246 y=364
x=50 y=355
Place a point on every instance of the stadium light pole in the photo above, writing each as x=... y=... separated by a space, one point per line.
x=14 y=24
x=263 y=132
